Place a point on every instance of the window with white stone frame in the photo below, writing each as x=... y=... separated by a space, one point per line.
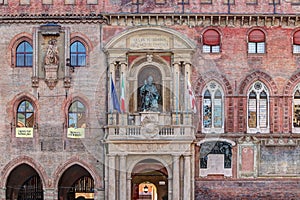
x=211 y=41
x=296 y=42
x=296 y=109
x=256 y=42
x=213 y=108
x=258 y=108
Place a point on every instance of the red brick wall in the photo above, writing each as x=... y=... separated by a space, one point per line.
x=247 y=189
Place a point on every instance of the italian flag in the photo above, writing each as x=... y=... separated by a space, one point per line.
x=123 y=96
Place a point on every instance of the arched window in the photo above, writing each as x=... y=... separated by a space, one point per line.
x=256 y=42
x=296 y=42
x=258 y=108
x=211 y=41
x=25 y=114
x=213 y=108
x=78 y=54
x=24 y=55
x=77 y=115
x=296 y=109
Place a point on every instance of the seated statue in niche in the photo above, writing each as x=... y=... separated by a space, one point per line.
x=149 y=96
x=52 y=53
x=51 y=62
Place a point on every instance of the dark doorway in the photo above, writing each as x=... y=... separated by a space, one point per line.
x=24 y=183
x=76 y=183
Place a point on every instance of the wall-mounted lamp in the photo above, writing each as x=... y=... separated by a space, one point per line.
x=68 y=63
x=146 y=189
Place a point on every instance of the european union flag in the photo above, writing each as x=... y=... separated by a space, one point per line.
x=114 y=97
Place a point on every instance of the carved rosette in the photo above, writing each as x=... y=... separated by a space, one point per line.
x=35 y=81
x=67 y=82
x=149 y=122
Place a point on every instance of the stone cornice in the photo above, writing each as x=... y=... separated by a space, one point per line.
x=193 y=20
x=55 y=18
x=160 y=19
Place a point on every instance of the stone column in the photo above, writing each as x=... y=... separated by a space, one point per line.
x=176 y=99
x=111 y=177
x=99 y=194
x=170 y=185
x=50 y=194
x=3 y=193
x=187 y=178
x=129 y=186
x=176 y=183
x=188 y=107
x=123 y=173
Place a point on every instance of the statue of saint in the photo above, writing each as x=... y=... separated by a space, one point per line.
x=149 y=96
x=52 y=53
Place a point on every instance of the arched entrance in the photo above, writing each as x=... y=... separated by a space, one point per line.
x=76 y=183
x=24 y=183
x=149 y=180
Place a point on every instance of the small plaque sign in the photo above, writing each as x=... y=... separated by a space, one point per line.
x=24 y=132
x=75 y=132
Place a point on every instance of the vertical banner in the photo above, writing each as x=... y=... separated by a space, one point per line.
x=114 y=97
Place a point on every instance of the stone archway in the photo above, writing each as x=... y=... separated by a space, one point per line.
x=152 y=172
x=76 y=183
x=24 y=182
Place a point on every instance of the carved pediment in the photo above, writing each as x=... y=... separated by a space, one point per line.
x=153 y=38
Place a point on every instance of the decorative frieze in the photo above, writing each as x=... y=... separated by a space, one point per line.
x=194 y=20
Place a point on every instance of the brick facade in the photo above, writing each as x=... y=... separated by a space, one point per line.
x=107 y=29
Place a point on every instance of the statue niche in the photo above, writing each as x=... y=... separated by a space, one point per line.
x=51 y=63
x=149 y=93
x=149 y=96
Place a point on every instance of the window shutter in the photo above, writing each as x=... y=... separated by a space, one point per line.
x=211 y=37
x=256 y=36
x=297 y=38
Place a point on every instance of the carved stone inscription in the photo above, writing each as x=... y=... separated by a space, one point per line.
x=247 y=159
x=279 y=160
x=149 y=42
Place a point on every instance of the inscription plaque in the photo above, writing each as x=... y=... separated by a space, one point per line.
x=279 y=160
x=149 y=42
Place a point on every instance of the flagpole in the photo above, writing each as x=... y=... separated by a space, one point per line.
x=177 y=93
x=110 y=93
x=187 y=94
x=122 y=111
x=110 y=97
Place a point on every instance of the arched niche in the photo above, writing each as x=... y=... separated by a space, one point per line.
x=139 y=71
x=133 y=51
